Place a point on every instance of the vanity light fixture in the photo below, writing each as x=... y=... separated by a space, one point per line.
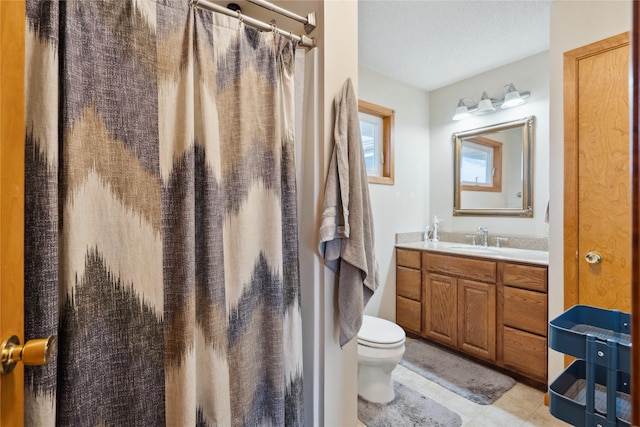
x=485 y=106
x=510 y=98
x=463 y=111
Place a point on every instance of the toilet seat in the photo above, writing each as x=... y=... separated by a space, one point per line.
x=380 y=333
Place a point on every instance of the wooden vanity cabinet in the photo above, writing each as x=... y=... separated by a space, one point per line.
x=493 y=310
x=460 y=303
x=409 y=290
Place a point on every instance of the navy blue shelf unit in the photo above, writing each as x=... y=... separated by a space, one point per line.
x=594 y=391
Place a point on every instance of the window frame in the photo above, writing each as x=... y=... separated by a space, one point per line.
x=496 y=148
x=387 y=116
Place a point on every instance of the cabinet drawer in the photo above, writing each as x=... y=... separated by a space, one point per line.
x=408 y=283
x=407 y=258
x=408 y=314
x=526 y=353
x=468 y=268
x=525 y=276
x=526 y=310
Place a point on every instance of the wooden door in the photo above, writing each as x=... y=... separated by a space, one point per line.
x=477 y=319
x=440 y=317
x=11 y=200
x=597 y=175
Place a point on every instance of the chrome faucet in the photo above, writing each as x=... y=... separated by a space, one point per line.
x=485 y=236
x=500 y=239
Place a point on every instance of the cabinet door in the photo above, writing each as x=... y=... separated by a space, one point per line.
x=440 y=306
x=477 y=319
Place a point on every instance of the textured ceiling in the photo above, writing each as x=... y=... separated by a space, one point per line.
x=430 y=44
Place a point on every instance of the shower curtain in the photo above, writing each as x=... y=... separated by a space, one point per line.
x=160 y=217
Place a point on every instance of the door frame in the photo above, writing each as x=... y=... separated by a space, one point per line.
x=635 y=213
x=12 y=41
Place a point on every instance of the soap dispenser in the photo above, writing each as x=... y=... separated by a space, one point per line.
x=436 y=224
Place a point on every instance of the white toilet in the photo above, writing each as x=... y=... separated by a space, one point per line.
x=380 y=348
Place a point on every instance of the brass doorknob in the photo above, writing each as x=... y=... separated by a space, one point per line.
x=33 y=352
x=593 y=257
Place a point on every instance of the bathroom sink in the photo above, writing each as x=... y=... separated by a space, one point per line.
x=476 y=249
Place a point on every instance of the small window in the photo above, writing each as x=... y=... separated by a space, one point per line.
x=371 y=131
x=481 y=165
x=376 y=130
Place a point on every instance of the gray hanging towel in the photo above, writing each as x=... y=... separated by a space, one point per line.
x=346 y=231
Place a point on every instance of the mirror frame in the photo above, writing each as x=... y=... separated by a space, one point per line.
x=526 y=211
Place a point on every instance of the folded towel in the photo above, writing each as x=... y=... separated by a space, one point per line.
x=346 y=231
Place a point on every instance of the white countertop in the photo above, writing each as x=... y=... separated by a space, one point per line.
x=507 y=254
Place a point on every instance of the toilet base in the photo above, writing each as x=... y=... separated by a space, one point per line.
x=375 y=385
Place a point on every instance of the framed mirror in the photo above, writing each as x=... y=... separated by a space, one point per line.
x=493 y=170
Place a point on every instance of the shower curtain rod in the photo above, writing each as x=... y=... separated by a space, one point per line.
x=309 y=22
x=301 y=39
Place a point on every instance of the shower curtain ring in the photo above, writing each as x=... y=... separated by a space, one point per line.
x=273 y=26
x=240 y=19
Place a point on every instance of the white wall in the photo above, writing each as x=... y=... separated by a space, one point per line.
x=529 y=74
x=400 y=207
x=573 y=24
x=330 y=373
x=340 y=60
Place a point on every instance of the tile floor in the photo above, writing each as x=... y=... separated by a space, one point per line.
x=521 y=406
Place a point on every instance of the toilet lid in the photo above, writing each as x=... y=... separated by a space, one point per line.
x=379 y=331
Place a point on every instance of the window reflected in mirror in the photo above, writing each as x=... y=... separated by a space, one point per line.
x=481 y=165
x=493 y=170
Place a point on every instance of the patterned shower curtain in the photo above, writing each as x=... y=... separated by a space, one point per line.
x=161 y=232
